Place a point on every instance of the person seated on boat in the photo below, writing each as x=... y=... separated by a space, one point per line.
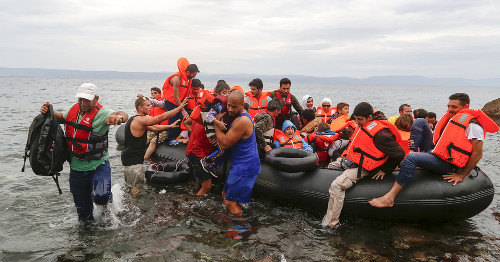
x=219 y=105
x=403 y=109
x=421 y=132
x=458 y=147
x=342 y=110
x=256 y=99
x=404 y=124
x=321 y=141
x=290 y=137
x=431 y=119
x=309 y=122
x=374 y=150
x=135 y=139
x=283 y=94
x=341 y=118
x=265 y=126
x=326 y=110
x=308 y=103
x=340 y=145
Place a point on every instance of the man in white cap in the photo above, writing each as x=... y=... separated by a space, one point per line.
x=87 y=124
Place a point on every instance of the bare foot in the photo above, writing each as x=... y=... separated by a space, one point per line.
x=233 y=207
x=382 y=201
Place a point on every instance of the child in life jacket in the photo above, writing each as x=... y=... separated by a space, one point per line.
x=321 y=141
x=340 y=145
x=290 y=137
x=218 y=106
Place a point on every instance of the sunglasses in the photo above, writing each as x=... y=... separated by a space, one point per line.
x=325 y=105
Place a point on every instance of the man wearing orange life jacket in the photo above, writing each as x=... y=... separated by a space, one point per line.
x=374 y=149
x=256 y=99
x=87 y=125
x=326 y=111
x=290 y=137
x=283 y=94
x=458 y=147
x=175 y=89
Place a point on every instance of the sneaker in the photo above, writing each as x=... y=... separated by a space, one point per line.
x=173 y=143
x=209 y=167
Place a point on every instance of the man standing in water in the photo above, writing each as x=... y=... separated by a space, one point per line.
x=87 y=124
x=245 y=163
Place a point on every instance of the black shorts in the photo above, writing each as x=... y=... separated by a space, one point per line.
x=196 y=170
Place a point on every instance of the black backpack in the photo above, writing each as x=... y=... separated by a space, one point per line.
x=46 y=146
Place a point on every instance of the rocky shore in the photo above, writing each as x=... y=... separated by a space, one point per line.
x=492 y=109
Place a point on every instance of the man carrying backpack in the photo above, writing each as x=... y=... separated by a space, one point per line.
x=86 y=125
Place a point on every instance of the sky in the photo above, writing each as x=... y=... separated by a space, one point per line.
x=334 y=38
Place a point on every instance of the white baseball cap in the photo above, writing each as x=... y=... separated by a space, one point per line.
x=87 y=91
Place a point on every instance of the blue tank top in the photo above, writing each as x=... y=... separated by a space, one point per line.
x=244 y=154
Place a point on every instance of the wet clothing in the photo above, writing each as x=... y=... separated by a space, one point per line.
x=198 y=144
x=196 y=171
x=134 y=175
x=245 y=166
x=134 y=147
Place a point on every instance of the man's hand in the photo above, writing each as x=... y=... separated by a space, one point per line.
x=454 y=177
x=114 y=120
x=221 y=125
x=219 y=116
x=380 y=174
x=45 y=108
x=174 y=124
x=268 y=148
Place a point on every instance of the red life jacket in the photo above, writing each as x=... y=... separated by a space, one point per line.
x=285 y=141
x=185 y=85
x=200 y=99
x=82 y=141
x=156 y=111
x=256 y=105
x=287 y=102
x=452 y=144
x=363 y=151
x=323 y=143
x=339 y=123
x=325 y=115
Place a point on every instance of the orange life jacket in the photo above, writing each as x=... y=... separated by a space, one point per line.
x=287 y=102
x=405 y=137
x=185 y=85
x=325 y=115
x=450 y=139
x=156 y=111
x=363 y=151
x=285 y=141
x=256 y=105
x=204 y=105
x=82 y=141
x=323 y=143
x=199 y=99
x=340 y=122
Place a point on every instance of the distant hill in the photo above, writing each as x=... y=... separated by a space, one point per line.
x=374 y=80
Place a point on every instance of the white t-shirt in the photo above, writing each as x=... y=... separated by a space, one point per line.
x=474 y=132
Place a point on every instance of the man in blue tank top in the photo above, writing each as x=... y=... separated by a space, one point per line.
x=245 y=163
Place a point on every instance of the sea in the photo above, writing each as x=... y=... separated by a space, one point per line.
x=169 y=223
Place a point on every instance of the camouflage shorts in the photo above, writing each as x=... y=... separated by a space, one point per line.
x=153 y=135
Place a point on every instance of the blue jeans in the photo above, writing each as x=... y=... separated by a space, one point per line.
x=421 y=134
x=423 y=160
x=90 y=186
x=173 y=132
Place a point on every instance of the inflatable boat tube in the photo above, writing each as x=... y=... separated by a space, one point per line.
x=292 y=160
x=120 y=135
x=167 y=172
x=428 y=197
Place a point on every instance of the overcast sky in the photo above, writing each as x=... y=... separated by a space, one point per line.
x=445 y=38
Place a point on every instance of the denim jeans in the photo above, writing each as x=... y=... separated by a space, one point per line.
x=173 y=132
x=88 y=187
x=423 y=160
x=421 y=134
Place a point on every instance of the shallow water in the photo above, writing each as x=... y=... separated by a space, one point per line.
x=168 y=223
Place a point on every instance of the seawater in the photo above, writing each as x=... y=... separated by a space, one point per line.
x=168 y=223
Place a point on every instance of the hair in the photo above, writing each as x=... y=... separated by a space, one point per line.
x=341 y=105
x=192 y=68
x=285 y=81
x=323 y=126
x=156 y=89
x=402 y=107
x=346 y=133
x=139 y=101
x=257 y=83
x=404 y=122
x=221 y=81
x=363 y=109
x=462 y=97
x=274 y=104
x=221 y=86
x=196 y=82
x=308 y=114
x=420 y=113
x=431 y=115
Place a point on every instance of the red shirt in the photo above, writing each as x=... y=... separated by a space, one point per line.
x=198 y=143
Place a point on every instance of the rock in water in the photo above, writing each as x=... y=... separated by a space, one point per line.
x=492 y=109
